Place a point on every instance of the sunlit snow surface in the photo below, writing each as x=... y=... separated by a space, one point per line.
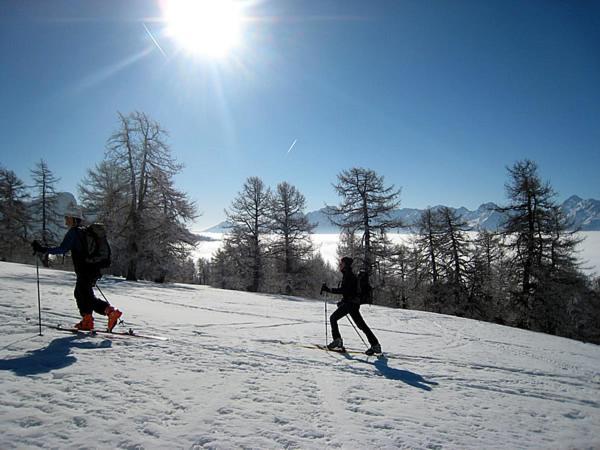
x=233 y=376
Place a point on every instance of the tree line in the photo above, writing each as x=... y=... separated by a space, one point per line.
x=524 y=274
x=22 y=206
x=268 y=246
x=131 y=191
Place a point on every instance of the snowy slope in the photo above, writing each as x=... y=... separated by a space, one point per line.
x=225 y=380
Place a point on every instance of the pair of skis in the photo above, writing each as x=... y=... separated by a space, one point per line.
x=342 y=350
x=128 y=333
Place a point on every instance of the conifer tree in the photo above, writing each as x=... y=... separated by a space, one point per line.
x=291 y=245
x=249 y=221
x=348 y=244
x=366 y=207
x=44 y=205
x=454 y=246
x=133 y=190
x=14 y=216
x=487 y=285
x=538 y=241
x=428 y=231
x=400 y=265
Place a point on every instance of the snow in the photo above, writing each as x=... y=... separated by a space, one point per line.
x=233 y=374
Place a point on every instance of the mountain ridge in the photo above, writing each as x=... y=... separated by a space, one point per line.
x=584 y=214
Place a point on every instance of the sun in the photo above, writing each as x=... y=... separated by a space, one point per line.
x=210 y=28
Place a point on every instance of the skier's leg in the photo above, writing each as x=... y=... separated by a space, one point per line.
x=99 y=305
x=362 y=325
x=340 y=312
x=103 y=307
x=83 y=294
x=88 y=281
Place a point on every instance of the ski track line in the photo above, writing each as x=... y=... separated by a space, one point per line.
x=526 y=353
x=543 y=386
x=223 y=311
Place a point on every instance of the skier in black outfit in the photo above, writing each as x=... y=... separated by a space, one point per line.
x=350 y=304
x=75 y=241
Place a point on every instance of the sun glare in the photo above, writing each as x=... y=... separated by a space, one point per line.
x=204 y=27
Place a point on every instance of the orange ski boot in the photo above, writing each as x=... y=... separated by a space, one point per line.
x=86 y=324
x=113 y=317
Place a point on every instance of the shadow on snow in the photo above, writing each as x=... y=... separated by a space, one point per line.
x=406 y=376
x=57 y=355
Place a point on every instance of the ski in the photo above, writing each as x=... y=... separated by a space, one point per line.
x=336 y=350
x=312 y=346
x=128 y=333
x=342 y=350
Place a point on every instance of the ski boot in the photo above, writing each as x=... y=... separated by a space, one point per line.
x=374 y=350
x=337 y=345
x=113 y=315
x=86 y=324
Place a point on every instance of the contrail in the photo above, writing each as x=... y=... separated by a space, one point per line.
x=292 y=146
x=154 y=40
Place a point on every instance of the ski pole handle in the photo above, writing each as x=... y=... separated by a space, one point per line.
x=324 y=288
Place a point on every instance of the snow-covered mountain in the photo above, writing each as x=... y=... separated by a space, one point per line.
x=64 y=202
x=238 y=371
x=585 y=215
x=484 y=217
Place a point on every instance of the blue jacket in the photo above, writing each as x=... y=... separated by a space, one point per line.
x=75 y=242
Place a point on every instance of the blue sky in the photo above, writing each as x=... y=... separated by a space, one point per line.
x=437 y=96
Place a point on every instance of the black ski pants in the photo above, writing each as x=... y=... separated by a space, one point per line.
x=84 y=294
x=354 y=311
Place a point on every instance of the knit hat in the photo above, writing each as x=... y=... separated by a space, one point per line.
x=73 y=211
x=347 y=260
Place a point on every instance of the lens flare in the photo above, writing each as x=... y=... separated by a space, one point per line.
x=209 y=28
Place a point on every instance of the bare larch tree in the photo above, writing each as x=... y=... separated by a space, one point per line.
x=248 y=217
x=366 y=206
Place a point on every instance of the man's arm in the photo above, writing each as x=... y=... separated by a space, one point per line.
x=337 y=290
x=70 y=241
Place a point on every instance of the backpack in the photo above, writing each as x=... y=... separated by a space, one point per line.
x=98 y=249
x=364 y=291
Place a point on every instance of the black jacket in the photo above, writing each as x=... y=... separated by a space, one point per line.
x=348 y=288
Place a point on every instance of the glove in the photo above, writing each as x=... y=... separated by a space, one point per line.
x=38 y=248
x=325 y=288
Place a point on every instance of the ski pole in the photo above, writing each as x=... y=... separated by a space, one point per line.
x=353 y=326
x=326 y=335
x=325 y=298
x=37 y=272
x=98 y=287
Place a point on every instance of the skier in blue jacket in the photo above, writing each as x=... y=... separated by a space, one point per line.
x=75 y=241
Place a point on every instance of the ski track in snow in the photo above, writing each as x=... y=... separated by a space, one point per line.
x=234 y=375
